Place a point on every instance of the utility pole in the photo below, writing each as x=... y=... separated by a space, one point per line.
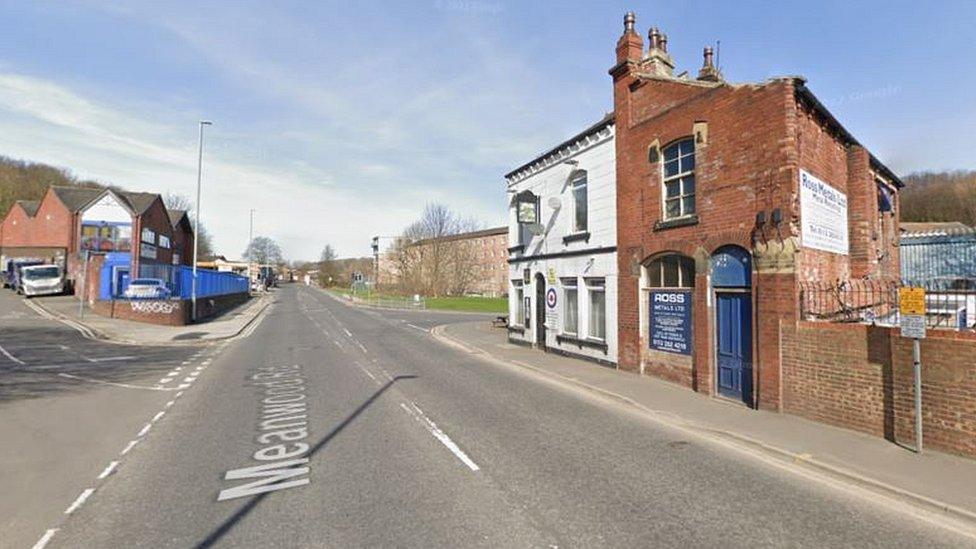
x=196 y=230
x=250 y=239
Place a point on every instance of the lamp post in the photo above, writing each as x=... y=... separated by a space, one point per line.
x=250 y=240
x=196 y=239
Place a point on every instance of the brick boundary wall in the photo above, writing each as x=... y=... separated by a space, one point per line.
x=167 y=312
x=860 y=377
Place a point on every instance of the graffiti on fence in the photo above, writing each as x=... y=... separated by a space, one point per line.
x=158 y=307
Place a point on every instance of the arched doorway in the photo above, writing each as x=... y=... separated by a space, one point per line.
x=540 y=311
x=732 y=286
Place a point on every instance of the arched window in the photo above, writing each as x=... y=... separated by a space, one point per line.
x=671 y=271
x=679 y=179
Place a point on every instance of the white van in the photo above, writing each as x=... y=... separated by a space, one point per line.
x=41 y=280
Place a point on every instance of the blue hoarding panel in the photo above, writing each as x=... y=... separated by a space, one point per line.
x=670 y=321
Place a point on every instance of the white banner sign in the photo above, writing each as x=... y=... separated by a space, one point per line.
x=823 y=214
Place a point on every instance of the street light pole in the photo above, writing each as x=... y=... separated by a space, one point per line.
x=250 y=239
x=196 y=235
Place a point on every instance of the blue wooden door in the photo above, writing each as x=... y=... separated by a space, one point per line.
x=734 y=342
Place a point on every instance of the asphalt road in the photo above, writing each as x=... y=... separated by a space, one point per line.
x=335 y=426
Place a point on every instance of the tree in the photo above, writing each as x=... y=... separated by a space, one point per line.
x=428 y=261
x=263 y=250
x=940 y=196
x=175 y=201
x=22 y=180
x=328 y=266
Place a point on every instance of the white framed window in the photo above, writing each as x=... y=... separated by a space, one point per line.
x=580 y=203
x=596 y=288
x=679 y=179
x=570 y=306
x=519 y=294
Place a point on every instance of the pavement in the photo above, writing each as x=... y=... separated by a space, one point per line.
x=95 y=326
x=330 y=425
x=934 y=481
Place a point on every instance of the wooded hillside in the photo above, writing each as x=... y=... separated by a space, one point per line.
x=940 y=196
x=20 y=180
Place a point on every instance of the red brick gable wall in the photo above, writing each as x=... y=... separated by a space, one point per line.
x=51 y=227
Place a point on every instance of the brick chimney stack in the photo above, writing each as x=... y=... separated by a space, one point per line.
x=630 y=47
x=709 y=72
x=656 y=60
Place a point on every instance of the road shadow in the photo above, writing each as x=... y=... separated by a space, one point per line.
x=245 y=510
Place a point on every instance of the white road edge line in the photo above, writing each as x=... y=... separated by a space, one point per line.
x=45 y=538
x=145 y=430
x=80 y=501
x=12 y=357
x=157 y=416
x=441 y=436
x=128 y=447
x=424 y=330
x=108 y=470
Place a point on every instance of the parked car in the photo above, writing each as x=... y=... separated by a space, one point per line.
x=41 y=280
x=147 y=288
x=12 y=265
x=18 y=267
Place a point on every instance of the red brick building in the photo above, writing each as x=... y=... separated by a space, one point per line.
x=729 y=196
x=68 y=220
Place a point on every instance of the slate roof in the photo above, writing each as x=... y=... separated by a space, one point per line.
x=29 y=206
x=76 y=198
x=175 y=216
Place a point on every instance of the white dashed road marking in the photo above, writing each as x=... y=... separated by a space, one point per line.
x=108 y=470
x=79 y=502
x=45 y=538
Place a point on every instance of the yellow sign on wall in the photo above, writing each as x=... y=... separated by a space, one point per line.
x=911 y=301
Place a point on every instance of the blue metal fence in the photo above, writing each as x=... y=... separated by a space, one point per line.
x=179 y=280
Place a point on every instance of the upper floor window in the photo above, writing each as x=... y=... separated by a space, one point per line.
x=679 y=179
x=578 y=185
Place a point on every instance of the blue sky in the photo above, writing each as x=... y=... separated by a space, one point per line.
x=340 y=120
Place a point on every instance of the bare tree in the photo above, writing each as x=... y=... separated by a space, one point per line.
x=176 y=201
x=263 y=250
x=429 y=260
x=940 y=196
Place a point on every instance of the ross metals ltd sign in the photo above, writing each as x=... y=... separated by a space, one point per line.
x=823 y=216
x=670 y=321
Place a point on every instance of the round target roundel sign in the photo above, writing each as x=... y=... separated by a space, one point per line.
x=551 y=298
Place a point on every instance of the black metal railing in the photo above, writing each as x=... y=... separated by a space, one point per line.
x=949 y=303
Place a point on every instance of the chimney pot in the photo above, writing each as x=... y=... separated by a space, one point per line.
x=708 y=71
x=663 y=42
x=629 y=20
x=654 y=38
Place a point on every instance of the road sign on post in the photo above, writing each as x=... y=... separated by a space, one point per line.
x=911 y=306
